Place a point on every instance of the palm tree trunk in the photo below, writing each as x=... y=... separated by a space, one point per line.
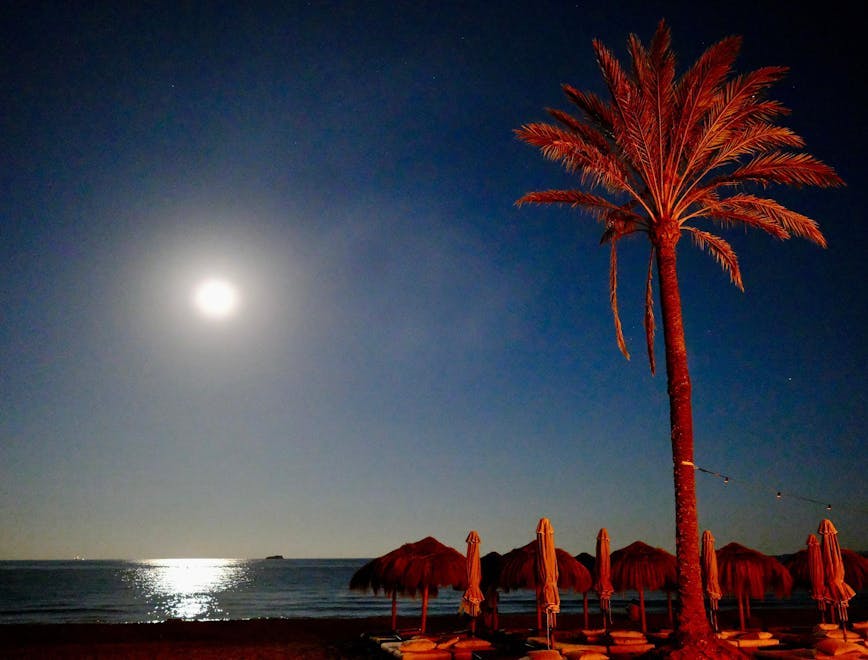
x=691 y=623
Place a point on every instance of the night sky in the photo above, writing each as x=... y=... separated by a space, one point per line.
x=412 y=354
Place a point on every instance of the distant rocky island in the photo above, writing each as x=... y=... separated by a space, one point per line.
x=274 y=557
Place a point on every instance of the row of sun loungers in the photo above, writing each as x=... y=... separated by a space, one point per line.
x=825 y=641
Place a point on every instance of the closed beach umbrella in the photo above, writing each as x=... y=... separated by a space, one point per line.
x=710 y=581
x=547 y=574
x=806 y=567
x=642 y=568
x=855 y=568
x=746 y=573
x=470 y=601
x=422 y=566
x=603 y=575
x=838 y=592
x=518 y=571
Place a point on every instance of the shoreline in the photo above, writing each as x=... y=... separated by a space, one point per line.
x=302 y=638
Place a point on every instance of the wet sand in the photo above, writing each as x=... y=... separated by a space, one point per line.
x=305 y=639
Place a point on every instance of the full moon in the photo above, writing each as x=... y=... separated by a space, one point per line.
x=216 y=299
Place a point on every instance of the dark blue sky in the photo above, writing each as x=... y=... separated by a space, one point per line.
x=413 y=354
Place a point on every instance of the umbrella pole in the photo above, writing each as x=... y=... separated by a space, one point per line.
x=538 y=611
x=394 y=610
x=585 y=609
x=642 y=610
x=747 y=607
x=424 y=606
x=741 y=611
x=669 y=608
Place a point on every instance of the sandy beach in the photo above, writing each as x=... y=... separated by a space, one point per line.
x=306 y=639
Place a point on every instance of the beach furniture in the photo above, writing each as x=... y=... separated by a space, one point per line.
x=746 y=573
x=518 y=571
x=642 y=568
x=420 y=567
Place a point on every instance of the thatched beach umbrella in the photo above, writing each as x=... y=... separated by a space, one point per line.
x=470 y=601
x=642 y=568
x=710 y=580
x=603 y=575
x=838 y=592
x=422 y=566
x=517 y=571
x=587 y=560
x=490 y=578
x=548 y=597
x=746 y=573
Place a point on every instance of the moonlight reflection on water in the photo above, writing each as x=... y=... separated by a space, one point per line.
x=188 y=588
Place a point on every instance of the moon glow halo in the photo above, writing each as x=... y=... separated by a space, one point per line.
x=216 y=299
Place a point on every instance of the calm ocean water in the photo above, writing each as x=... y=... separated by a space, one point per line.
x=214 y=589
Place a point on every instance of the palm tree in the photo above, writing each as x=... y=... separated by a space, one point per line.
x=660 y=156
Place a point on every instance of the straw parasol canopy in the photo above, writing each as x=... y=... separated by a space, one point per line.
x=746 y=573
x=838 y=592
x=642 y=568
x=517 y=571
x=710 y=580
x=422 y=566
x=472 y=597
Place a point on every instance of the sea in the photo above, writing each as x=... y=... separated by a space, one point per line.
x=154 y=590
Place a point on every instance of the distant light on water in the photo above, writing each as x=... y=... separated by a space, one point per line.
x=188 y=588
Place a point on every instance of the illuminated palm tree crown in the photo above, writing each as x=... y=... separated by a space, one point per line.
x=671 y=152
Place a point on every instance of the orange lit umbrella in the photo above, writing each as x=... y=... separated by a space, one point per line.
x=806 y=567
x=473 y=595
x=710 y=581
x=747 y=573
x=603 y=576
x=547 y=575
x=641 y=567
x=838 y=592
x=421 y=566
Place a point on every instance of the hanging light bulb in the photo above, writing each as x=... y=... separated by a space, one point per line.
x=828 y=507
x=779 y=495
x=725 y=481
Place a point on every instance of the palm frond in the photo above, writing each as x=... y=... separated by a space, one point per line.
x=595 y=109
x=753 y=139
x=577 y=156
x=600 y=207
x=720 y=250
x=696 y=92
x=613 y=298
x=770 y=216
x=631 y=126
x=731 y=100
x=590 y=134
x=649 y=313
x=797 y=170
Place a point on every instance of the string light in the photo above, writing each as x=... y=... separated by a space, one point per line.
x=778 y=494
